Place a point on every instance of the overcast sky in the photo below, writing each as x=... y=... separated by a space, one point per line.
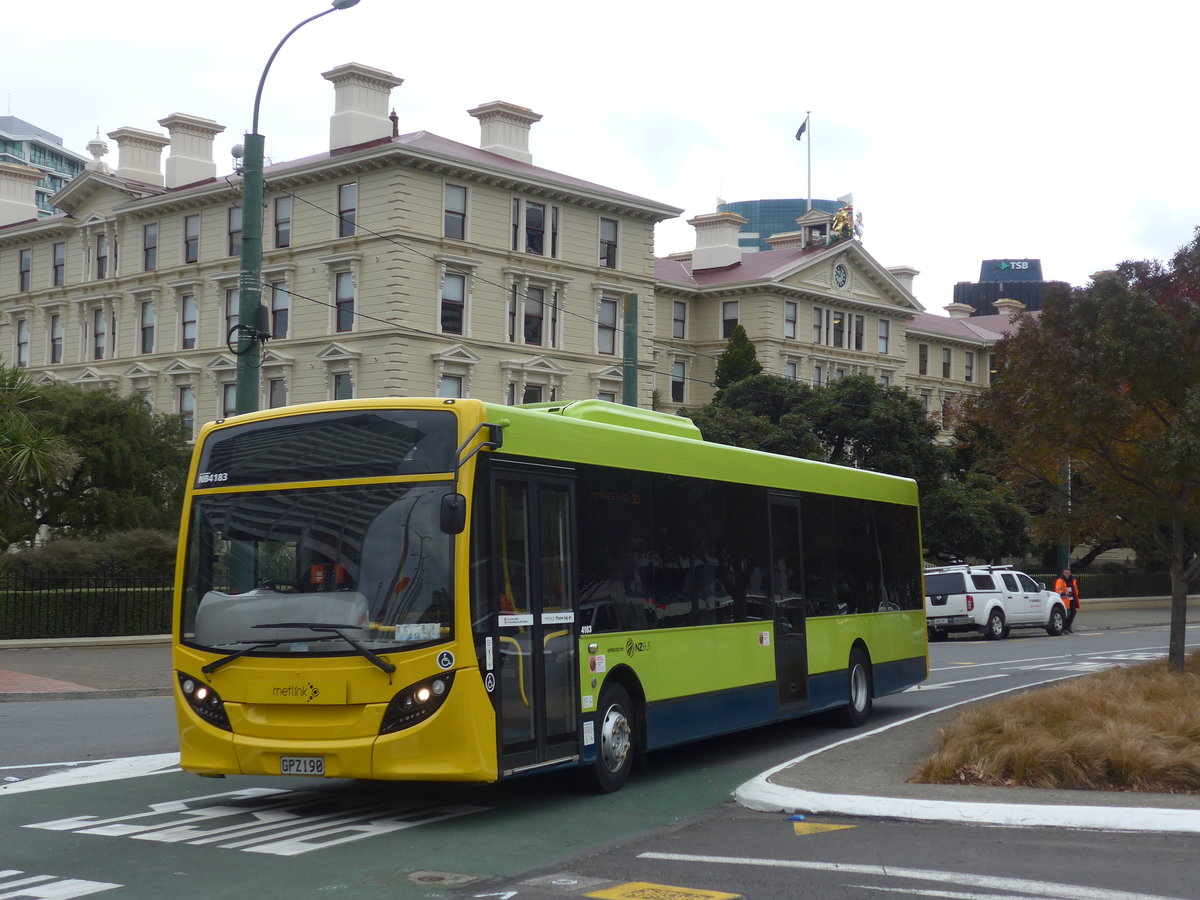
x=1063 y=131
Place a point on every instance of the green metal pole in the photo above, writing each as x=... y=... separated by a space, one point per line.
x=250 y=282
x=629 y=359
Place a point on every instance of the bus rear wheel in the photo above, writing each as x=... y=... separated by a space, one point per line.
x=615 y=742
x=858 y=709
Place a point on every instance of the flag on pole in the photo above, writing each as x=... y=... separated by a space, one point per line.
x=803 y=128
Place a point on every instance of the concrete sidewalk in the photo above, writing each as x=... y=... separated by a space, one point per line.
x=85 y=668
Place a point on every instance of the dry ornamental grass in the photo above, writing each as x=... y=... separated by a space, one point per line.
x=1128 y=729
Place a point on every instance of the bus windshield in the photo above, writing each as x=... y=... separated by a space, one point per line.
x=316 y=570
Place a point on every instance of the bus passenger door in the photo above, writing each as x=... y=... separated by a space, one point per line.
x=538 y=703
x=787 y=596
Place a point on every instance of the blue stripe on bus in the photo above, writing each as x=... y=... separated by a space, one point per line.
x=829 y=689
x=704 y=715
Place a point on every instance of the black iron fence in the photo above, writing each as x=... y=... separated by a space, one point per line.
x=1095 y=585
x=58 y=606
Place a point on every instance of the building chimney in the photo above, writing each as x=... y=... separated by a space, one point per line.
x=139 y=154
x=504 y=129
x=959 y=310
x=1008 y=307
x=786 y=240
x=360 y=106
x=18 y=194
x=904 y=275
x=191 y=158
x=716 y=240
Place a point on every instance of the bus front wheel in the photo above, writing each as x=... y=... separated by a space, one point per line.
x=858 y=709
x=615 y=740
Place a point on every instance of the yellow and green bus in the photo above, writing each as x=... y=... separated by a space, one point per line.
x=452 y=590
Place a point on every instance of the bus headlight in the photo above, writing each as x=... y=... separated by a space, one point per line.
x=204 y=701
x=416 y=703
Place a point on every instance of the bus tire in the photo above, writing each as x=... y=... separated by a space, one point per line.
x=615 y=742
x=858 y=689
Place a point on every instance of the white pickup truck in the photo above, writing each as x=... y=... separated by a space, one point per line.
x=990 y=600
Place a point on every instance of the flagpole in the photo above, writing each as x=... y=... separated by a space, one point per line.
x=807 y=116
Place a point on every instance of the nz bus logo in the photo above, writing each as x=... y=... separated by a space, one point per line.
x=633 y=647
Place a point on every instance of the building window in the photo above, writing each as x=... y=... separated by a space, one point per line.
x=454 y=296
x=678 y=381
x=188 y=321
x=608 y=243
x=860 y=327
x=885 y=334
x=530 y=224
x=789 y=319
x=450 y=386
x=347 y=208
x=679 y=319
x=455 y=211
x=191 y=238
x=276 y=393
x=729 y=317
x=991 y=367
x=818 y=375
x=59 y=266
x=818 y=325
x=925 y=401
x=343 y=301
x=790 y=371
x=343 y=386
x=606 y=327
x=56 y=338
x=25 y=269
x=922 y=359
x=150 y=247
x=280 y=308
x=22 y=342
x=885 y=381
x=837 y=331
x=235 y=231
x=283 y=221
x=233 y=306
x=99 y=333
x=147 y=326
x=187 y=410
x=947 y=358
x=229 y=399
x=969 y=366
x=102 y=256
x=536 y=311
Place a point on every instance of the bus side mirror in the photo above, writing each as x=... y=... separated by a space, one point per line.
x=454 y=513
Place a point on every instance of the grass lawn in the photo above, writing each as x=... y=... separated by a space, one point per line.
x=1128 y=729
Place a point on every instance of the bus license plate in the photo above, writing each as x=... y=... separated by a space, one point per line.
x=301 y=765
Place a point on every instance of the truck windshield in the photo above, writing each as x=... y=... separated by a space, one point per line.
x=327 y=570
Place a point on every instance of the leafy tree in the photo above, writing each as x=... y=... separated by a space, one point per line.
x=973 y=518
x=32 y=459
x=738 y=361
x=130 y=463
x=1107 y=379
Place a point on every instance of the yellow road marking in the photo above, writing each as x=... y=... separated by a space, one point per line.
x=641 y=890
x=817 y=827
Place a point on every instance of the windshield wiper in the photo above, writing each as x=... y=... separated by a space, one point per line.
x=370 y=655
x=211 y=667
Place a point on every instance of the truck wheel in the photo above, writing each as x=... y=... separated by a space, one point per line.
x=615 y=742
x=994 y=630
x=1057 y=623
x=858 y=707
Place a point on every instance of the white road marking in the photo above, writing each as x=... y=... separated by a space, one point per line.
x=112 y=770
x=1022 y=886
x=945 y=684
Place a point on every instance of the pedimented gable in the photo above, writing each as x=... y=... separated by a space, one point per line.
x=846 y=269
x=93 y=193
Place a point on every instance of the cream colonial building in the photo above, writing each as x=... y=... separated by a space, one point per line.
x=410 y=264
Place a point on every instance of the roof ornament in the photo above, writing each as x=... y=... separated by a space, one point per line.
x=98 y=148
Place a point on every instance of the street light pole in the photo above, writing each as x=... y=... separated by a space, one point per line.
x=249 y=337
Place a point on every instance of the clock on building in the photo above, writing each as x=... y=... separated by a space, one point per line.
x=840 y=275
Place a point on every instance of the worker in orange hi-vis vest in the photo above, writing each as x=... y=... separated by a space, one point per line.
x=1067 y=587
